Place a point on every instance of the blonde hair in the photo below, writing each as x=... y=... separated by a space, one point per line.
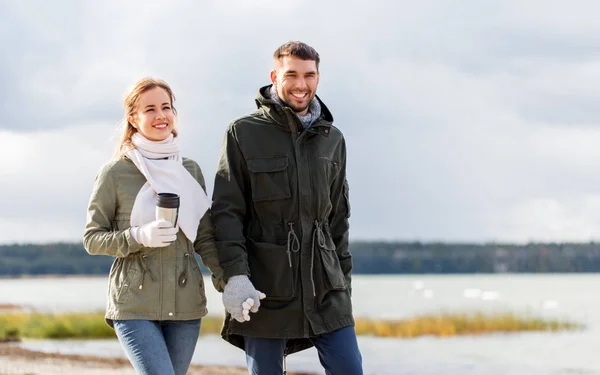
x=130 y=103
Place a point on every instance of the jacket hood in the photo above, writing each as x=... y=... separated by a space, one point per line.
x=277 y=112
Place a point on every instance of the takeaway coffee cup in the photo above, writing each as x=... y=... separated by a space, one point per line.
x=167 y=207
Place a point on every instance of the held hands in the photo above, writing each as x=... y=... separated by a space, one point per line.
x=240 y=298
x=158 y=233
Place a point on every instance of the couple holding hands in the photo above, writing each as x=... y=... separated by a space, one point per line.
x=274 y=235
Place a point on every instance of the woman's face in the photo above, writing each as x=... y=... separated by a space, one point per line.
x=154 y=117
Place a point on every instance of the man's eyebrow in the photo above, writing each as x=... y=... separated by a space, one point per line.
x=295 y=72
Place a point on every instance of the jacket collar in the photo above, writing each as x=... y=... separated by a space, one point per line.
x=281 y=115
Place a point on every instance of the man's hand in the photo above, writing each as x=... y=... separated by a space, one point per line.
x=240 y=298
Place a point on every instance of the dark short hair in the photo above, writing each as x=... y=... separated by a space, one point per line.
x=297 y=49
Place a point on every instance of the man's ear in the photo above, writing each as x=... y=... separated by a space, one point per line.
x=273 y=76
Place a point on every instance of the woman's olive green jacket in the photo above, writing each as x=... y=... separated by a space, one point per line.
x=147 y=283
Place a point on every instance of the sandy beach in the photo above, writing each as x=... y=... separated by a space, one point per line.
x=17 y=361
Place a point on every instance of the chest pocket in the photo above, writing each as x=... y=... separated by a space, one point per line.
x=269 y=178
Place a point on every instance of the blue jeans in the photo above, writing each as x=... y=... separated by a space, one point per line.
x=338 y=353
x=158 y=347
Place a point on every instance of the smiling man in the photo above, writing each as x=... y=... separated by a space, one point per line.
x=280 y=210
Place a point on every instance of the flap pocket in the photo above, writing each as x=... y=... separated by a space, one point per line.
x=334 y=277
x=122 y=279
x=269 y=270
x=265 y=165
x=269 y=178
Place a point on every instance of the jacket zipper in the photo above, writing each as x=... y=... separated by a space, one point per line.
x=296 y=141
x=314 y=210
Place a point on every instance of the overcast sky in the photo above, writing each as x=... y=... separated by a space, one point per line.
x=471 y=121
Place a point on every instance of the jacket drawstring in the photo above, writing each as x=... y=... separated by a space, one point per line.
x=320 y=234
x=145 y=269
x=319 y=239
x=293 y=244
x=183 y=276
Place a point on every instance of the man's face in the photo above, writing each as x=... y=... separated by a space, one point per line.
x=296 y=81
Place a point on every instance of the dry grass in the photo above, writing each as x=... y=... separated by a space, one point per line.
x=14 y=326
x=453 y=324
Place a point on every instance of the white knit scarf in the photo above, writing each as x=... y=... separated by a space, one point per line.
x=162 y=166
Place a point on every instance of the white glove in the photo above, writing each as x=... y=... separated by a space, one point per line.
x=240 y=298
x=158 y=233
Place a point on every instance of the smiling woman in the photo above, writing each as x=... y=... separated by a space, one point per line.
x=157 y=330
x=154 y=117
x=149 y=110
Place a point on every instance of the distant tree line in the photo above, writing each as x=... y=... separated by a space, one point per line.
x=368 y=257
x=417 y=257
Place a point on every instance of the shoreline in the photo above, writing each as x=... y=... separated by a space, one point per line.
x=18 y=361
x=51 y=276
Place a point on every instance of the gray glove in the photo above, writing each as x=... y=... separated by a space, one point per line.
x=236 y=293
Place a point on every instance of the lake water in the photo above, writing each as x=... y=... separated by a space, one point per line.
x=567 y=296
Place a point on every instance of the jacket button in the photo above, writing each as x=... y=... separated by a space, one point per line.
x=171 y=314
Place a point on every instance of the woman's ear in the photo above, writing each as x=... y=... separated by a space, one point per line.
x=130 y=121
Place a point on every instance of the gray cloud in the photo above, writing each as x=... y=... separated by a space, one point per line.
x=471 y=121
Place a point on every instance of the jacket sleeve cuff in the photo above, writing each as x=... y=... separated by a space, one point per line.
x=234 y=270
x=218 y=283
x=133 y=245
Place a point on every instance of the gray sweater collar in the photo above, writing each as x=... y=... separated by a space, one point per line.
x=314 y=109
